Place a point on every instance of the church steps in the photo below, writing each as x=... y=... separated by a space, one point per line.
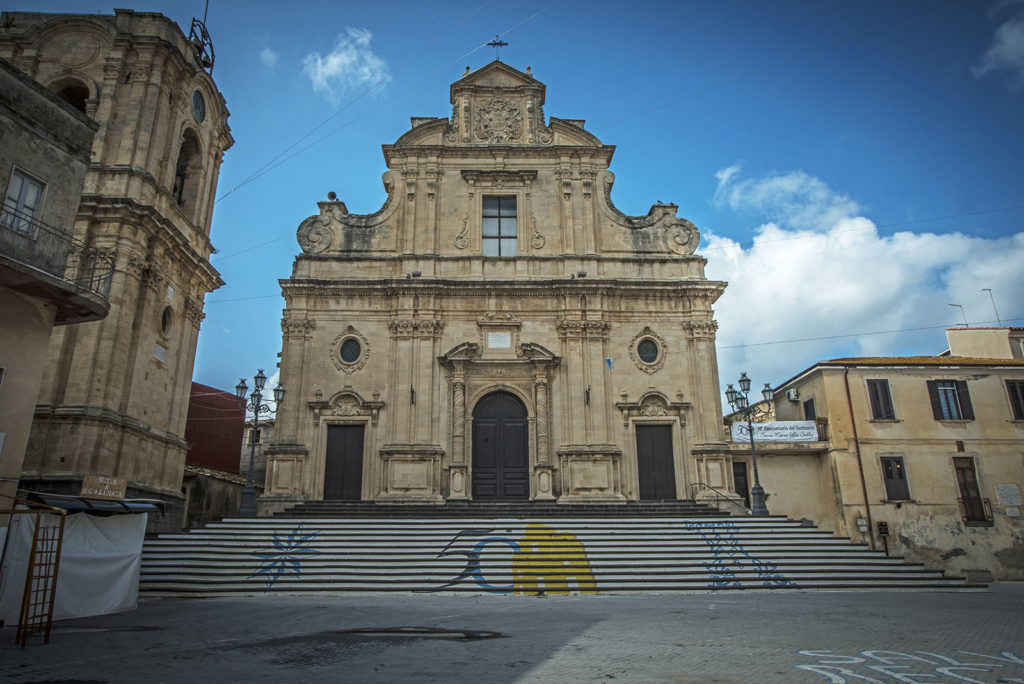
x=623 y=554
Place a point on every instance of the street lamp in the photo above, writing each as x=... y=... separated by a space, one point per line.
x=740 y=402
x=256 y=405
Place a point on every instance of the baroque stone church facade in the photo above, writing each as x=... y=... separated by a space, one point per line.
x=498 y=330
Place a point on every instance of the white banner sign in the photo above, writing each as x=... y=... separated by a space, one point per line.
x=777 y=431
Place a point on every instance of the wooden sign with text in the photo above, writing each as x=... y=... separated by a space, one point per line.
x=102 y=487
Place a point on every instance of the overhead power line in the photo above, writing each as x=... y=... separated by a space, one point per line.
x=857 y=334
x=278 y=160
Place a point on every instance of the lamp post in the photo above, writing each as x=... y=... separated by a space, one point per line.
x=256 y=405
x=740 y=402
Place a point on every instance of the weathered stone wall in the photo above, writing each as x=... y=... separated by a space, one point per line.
x=115 y=393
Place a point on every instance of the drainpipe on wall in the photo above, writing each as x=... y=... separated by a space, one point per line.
x=860 y=464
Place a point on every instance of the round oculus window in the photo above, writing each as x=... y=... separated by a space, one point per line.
x=198 y=106
x=166 y=319
x=647 y=350
x=350 y=350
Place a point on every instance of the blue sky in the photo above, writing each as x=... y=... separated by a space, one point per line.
x=854 y=167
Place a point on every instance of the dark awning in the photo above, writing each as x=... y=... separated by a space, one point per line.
x=83 y=504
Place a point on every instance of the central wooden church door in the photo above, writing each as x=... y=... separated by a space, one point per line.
x=654 y=462
x=501 y=467
x=343 y=470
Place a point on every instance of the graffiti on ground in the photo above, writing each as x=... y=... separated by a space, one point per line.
x=286 y=558
x=729 y=556
x=543 y=560
x=885 y=667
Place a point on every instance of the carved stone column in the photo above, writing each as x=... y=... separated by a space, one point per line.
x=457 y=469
x=544 y=468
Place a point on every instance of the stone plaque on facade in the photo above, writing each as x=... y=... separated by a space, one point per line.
x=499 y=340
x=1008 y=495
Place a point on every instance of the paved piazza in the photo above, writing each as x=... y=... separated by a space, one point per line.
x=779 y=636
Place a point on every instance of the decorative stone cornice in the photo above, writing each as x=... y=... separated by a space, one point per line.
x=194 y=310
x=415 y=327
x=573 y=328
x=701 y=328
x=297 y=326
x=498 y=179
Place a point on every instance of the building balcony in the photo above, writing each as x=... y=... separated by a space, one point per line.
x=976 y=511
x=41 y=261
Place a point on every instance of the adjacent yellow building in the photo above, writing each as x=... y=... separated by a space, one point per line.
x=923 y=455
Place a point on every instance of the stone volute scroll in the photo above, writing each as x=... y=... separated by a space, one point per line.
x=334 y=228
x=660 y=231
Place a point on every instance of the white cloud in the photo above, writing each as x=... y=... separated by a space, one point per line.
x=795 y=198
x=1006 y=52
x=823 y=271
x=268 y=57
x=350 y=65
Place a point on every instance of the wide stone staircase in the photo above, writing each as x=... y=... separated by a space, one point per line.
x=517 y=548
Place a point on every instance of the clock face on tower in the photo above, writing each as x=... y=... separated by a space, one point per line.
x=198 y=106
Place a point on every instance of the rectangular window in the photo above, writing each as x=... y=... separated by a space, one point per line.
x=809 y=411
x=895 y=477
x=881 y=400
x=1015 y=388
x=499 y=226
x=254 y=436
x=950 y=400
x=21 y=205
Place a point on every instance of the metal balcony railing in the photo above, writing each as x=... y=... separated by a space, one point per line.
x=977 y=511
x=34 y=243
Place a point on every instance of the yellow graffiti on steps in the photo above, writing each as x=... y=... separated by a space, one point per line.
x=553 y=562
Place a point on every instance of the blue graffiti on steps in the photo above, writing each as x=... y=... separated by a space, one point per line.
x=730 y=557
x=286 y=558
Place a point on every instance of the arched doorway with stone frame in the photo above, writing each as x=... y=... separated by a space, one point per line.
x=472 y=376
x=500 y=449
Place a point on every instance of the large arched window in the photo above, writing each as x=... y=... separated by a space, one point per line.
x=186 y=174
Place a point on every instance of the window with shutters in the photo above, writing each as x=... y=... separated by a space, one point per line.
x=810 y=412
x=894 y=475
x=1015 y=388
x=950 y=400
x=881 y=400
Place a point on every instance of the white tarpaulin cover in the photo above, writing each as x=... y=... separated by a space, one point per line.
x=99 y=565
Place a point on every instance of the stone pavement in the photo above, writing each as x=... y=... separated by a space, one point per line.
x=770 y=636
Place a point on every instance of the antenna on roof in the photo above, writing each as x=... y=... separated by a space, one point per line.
x=989 y=290
x=497 y=44
x=962 y=314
